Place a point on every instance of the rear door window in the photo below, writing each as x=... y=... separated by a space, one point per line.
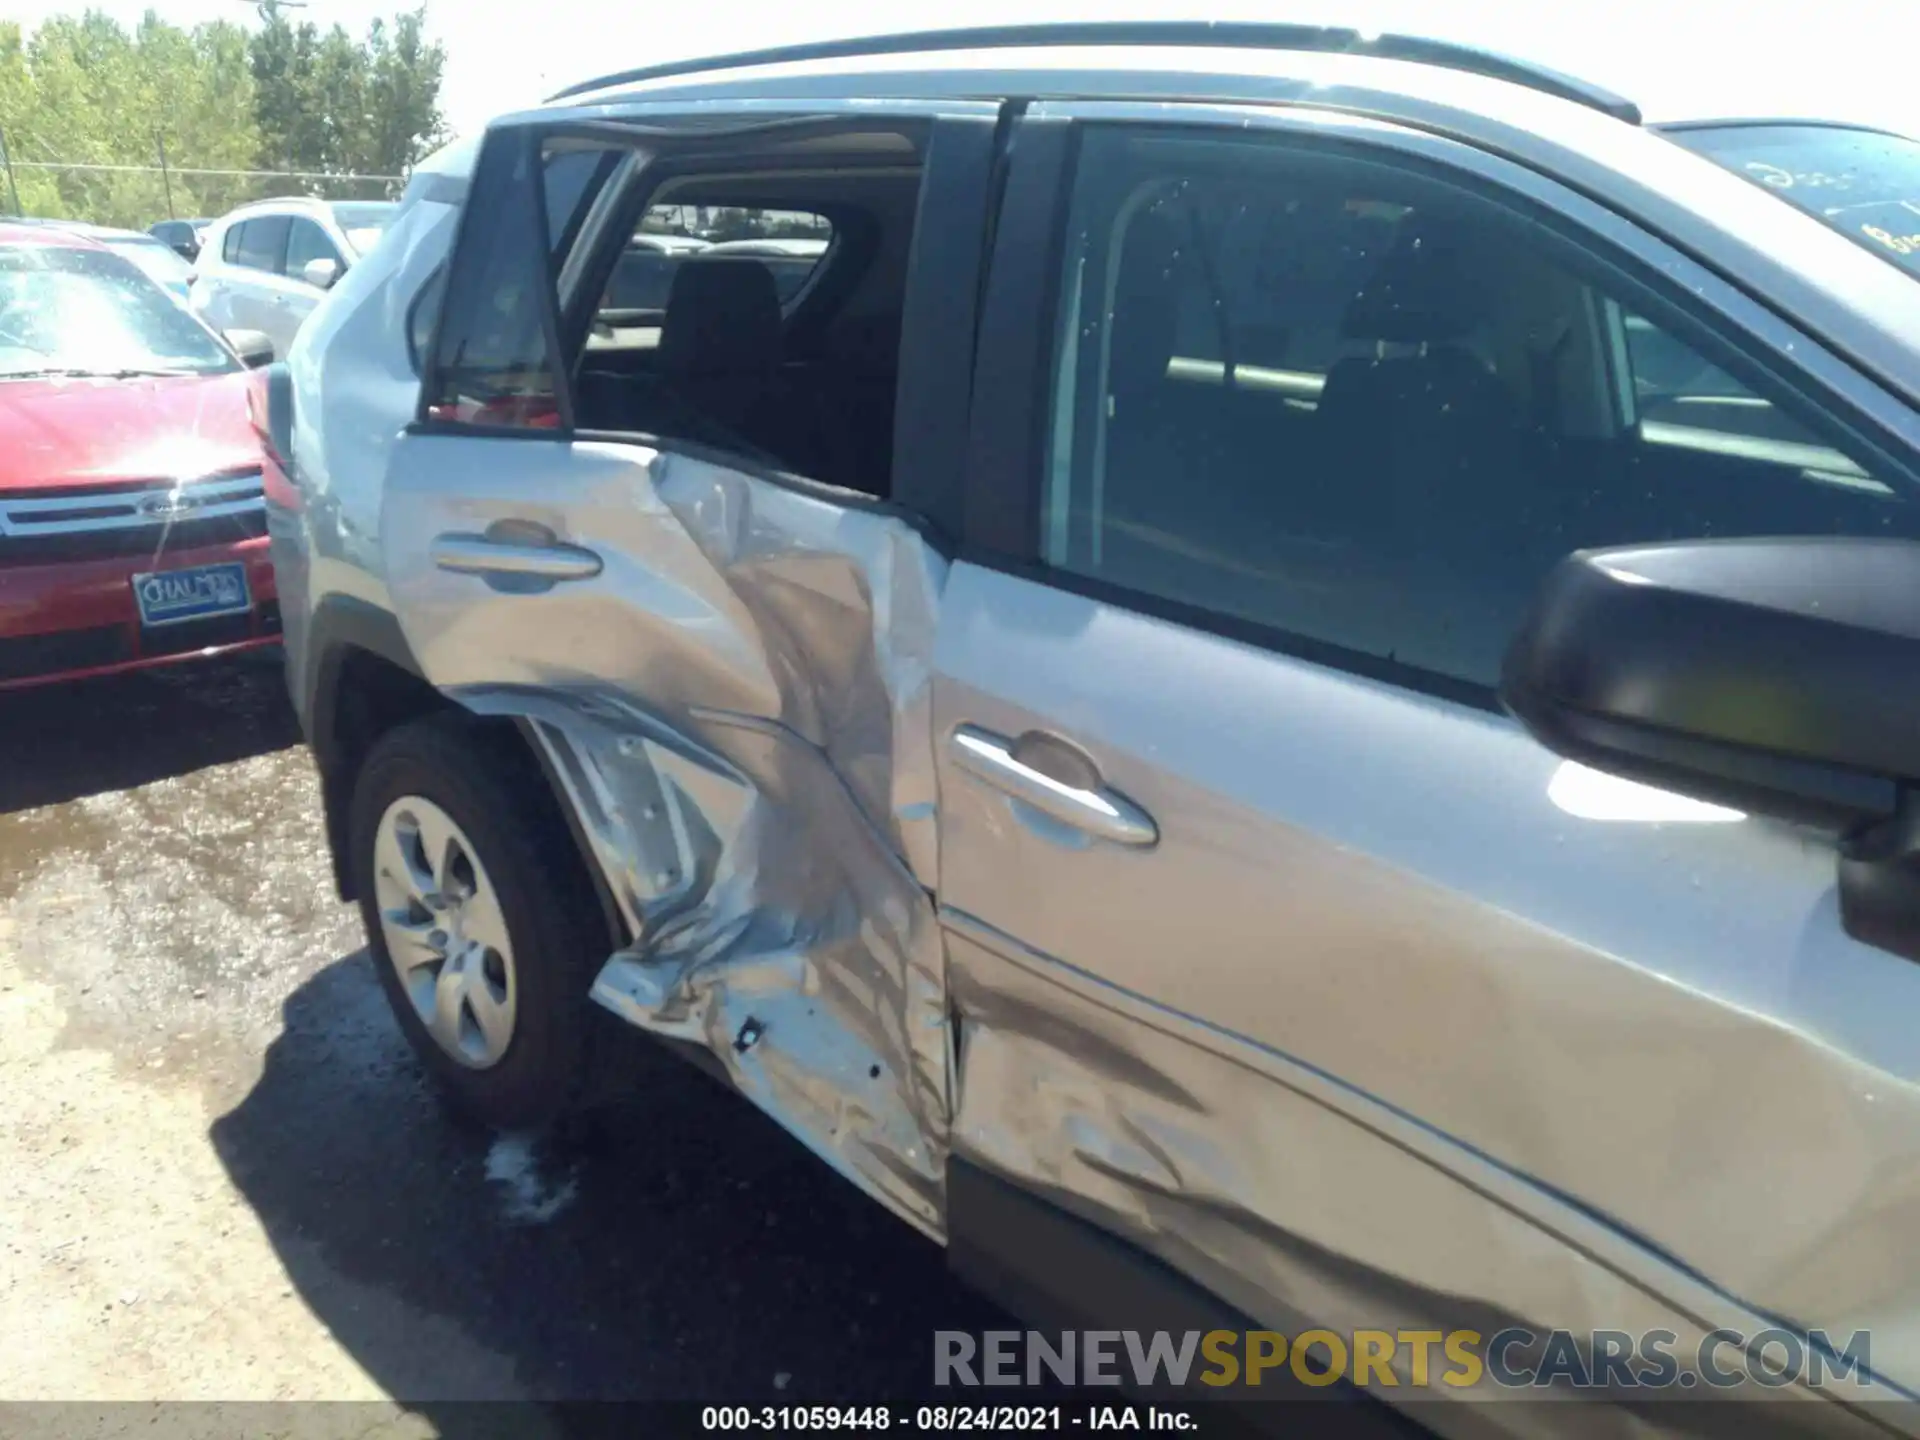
x=263 y=242
x=230 y=247
x=790 y=243
x=307 y=242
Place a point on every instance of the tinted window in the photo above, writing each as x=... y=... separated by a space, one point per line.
x=307 y=241
x=790 y=243
x=642 y=278
x=1347 y=402
x=423 y=315
x=73 y=310
x=494 y=361
x=263 y=242
x=573 y=177
x=230 y=247
x=1865 y=185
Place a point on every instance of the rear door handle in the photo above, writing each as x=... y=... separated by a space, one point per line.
x=477 y=555
x=1079 y=800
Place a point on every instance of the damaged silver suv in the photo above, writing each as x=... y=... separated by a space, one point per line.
x=1269 y=667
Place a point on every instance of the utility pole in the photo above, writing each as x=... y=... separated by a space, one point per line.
x=6 y=155
x=160 y=144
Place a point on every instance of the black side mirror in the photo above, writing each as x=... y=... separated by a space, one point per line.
x=1781 y=677
x=253 y=347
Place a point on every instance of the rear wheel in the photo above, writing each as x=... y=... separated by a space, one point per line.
x=484 y=926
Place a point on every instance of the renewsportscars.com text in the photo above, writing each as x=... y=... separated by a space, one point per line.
x=1514 y=1359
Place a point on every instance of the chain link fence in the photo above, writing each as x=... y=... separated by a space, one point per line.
x=135 y=196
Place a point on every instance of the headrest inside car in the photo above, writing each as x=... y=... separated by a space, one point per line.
x=1422 y=293
x=723 y=318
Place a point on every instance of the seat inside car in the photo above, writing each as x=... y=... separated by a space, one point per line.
x=1421 y=434
x=1174 y=448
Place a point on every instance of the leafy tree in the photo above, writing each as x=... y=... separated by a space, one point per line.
x=403 y=95
x=329 y=104
x=84 y=91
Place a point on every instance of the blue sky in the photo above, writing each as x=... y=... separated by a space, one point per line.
x=1845 y=59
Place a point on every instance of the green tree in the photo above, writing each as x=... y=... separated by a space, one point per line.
x=403 y=95
x=326 y=103
x=86 y=107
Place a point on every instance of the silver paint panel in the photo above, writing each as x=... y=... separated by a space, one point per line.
x=1577 y=996
x=738 y=704
x=1307 y=1204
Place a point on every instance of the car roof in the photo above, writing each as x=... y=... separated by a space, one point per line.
x=27 y=232
x=1227 y=62
x=279 y=205
x=1003 y=42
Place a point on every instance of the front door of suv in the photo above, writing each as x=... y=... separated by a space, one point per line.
x=1277 y=947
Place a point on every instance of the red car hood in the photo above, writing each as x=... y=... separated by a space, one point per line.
x=81 y=432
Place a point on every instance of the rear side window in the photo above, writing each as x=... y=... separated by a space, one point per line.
x=789 y=243
x=263 y=242
x=423 y=315
x=494 y=364
x=230 y=247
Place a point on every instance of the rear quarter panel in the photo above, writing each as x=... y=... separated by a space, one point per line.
x=354 y=390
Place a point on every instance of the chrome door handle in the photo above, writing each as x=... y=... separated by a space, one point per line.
x=477 y=555
x=1079 y=801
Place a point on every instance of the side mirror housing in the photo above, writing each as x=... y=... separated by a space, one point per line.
x=1778 y=676
x=254 y=348
x=321 y=273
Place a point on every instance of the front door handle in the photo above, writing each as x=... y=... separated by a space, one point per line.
x=1077 y=800
x=479 y=555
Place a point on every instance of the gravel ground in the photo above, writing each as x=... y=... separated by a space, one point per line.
x=221 y=1176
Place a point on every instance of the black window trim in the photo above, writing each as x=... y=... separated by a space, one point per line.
x=417 y=354
x=1007 y=460
x=528 y=141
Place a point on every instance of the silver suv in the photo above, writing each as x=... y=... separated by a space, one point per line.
x=1286 y=677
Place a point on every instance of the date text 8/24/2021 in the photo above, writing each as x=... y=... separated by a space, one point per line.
x=938 y=1419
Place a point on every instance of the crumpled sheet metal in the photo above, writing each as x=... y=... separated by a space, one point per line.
x=1304 y=1205
x=767 y=821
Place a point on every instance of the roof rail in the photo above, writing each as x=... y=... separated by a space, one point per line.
x=1250 y=35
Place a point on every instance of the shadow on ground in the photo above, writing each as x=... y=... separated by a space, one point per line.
x=693 y=1250
x=120 y=732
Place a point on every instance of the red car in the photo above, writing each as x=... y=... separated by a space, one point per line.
x=132 y=522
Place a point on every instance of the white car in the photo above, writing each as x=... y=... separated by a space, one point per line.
x=265 y=267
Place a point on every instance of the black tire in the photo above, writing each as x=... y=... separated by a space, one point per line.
x=480 y=773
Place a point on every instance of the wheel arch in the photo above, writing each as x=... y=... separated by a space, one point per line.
x=364 y=682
